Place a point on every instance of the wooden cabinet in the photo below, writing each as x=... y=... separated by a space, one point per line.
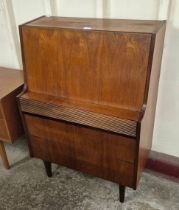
x=11 y=82
x=91 y=90
x=99 y=153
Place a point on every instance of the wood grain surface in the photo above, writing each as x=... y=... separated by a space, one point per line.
x=95 y=24
x=98 y=67
x=91 y=93
x=96 y=152
x=11 y=83
x=76 y=115
x=10 y=79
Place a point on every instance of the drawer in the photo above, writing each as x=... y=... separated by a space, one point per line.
x=96 y=152
x=3 y=131
x=86 y=141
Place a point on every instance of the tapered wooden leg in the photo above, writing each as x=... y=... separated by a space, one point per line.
x=121 y=193
x=48 y=168
x=4 y=155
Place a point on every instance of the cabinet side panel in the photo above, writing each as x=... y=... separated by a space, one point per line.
x=147 y=123
x=12 y=115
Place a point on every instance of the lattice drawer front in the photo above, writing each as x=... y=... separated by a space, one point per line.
x=82 y=117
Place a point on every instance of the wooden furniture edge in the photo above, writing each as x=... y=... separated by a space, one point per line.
x=24 y=90
x=148 y=108
x=78 y=116
x=4 y=156
x=22 y=50
x=5 y=114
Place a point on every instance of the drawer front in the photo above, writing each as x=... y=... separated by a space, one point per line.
x=3 y=131
x=99 y=153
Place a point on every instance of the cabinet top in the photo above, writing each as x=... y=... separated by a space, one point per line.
x=135 y=26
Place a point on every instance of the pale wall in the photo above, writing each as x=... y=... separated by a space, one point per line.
x=15 y=12
x=7 y=51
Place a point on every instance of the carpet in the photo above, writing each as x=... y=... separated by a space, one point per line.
x=26 y=187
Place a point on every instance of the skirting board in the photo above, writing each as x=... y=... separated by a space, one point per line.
x=163 y=163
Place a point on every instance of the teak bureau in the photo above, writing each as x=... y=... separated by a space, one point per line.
x=90 y=96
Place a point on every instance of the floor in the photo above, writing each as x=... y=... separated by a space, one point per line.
x=26 y=187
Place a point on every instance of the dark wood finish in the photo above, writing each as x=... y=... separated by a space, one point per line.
x=163 y=163
x=147 y=123
x=118 y=112
x=90 y=93
x=114 y=25
x=48 y=168
x=4 y=155
x=11 y=82
x=76 y=115
x=3 y=130
x=82 y=148
x=121 y=193
x=81 y=51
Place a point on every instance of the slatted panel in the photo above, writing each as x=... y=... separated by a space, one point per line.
x=82 y=117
